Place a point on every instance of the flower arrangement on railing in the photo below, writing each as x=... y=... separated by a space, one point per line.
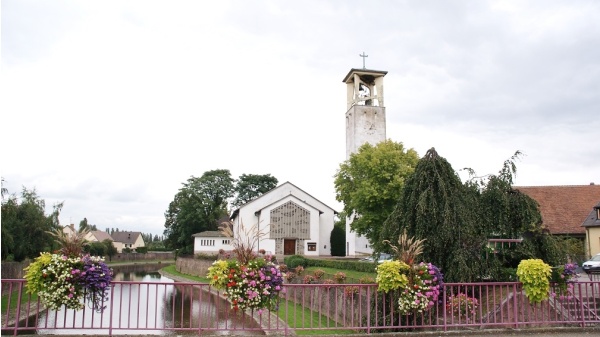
x=564 y=277
x=249 y=281
x=462 y=306
x=60 y=281
x=69 y=277
x=419 y=285
x=535 y=274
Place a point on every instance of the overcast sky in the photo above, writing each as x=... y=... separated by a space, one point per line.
x=110 y=105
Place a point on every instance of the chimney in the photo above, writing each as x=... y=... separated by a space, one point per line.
x=592 y=183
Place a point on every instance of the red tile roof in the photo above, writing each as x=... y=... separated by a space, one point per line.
x=564 y=208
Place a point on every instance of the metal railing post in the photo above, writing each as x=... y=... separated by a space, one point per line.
x=112 y=301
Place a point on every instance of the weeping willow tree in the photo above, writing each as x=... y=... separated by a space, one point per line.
x=438 y=207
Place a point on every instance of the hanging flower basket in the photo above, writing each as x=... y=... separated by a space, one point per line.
x=60 y=281
x=255 y=285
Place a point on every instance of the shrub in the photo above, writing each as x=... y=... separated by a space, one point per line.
x=283 y=267
x=337 y=241
x=290 y=276
x=142 y=250
x=318 y=274
x=366 y=280
x=299 y=270
x=308 y=279
x=350 y=290
x=534 y=274
x=462 y=305
x=328 y=281
x=339 y=277
x=295 y=260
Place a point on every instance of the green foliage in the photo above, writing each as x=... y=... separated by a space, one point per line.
x=295 y=260
x=96 y=249
x=196 y=208
x=391 y=275
x=26 y=227
x=534 y=274
x=111 y=250
x=250 y=186
x=337 y=241
x=436 y=206
x=142 y=250
x=370 y=183
x=34 y=273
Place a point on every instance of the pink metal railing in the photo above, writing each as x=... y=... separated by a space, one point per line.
x=156 y=307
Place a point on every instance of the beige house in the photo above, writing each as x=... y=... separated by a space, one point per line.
x=98 y=236
x=592 y=229
x=131 y=240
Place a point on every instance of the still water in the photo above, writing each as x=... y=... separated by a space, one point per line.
x=149 y=308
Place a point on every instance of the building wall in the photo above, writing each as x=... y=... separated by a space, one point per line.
x=320 y=224
x=204 y=244
x=593 y=241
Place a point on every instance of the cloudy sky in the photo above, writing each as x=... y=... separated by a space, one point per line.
x=110 y=105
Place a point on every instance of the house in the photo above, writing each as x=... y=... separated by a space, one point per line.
x=69 y=229
x=565 y=209
x=98 y=236
x=592 y=230
x=131 y=240
x=291 y=222
x=211 y=242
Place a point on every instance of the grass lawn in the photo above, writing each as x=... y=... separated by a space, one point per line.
x=351 y=275
x=296 y=316
x=171 y=270
x=14 y=300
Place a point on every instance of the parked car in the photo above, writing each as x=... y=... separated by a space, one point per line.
x=592 y=265
x=382 y=257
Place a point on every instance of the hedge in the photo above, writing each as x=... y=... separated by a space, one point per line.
x=297 y=260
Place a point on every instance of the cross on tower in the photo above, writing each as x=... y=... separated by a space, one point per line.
x=363 y=55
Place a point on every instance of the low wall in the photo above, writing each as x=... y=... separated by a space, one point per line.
x=191 y=266
x=142 y=256
x=14 y=270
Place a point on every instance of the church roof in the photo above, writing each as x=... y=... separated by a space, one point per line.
x=237 y=210
x=564 y=208
x=360 y=71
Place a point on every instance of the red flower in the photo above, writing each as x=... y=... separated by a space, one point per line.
x=416 y=286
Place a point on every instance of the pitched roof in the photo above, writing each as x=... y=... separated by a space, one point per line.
x=564 y=208
x=126 y=237
x=101 y=235
x=593 y=219
x=209 y=234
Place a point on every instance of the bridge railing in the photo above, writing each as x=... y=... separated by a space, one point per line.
x=156 y=307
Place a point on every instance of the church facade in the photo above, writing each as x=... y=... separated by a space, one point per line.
x=284 y=221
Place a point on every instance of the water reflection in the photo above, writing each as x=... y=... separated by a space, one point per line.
x=149 y=307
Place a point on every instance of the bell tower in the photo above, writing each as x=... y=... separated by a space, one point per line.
x=365 y=115
x=365 y=123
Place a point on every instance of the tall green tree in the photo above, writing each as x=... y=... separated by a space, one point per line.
x=197 y=207
x=26 y=227
x=83 y=225
x=437 y=207
x=370 y=183
x=250 y=186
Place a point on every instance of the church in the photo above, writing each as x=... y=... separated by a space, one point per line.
x=287 y=220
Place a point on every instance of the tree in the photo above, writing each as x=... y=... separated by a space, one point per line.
x=337 y=240
x=26 y=227
x=250 y=186
x=370 y=183
x=83 y=225
x=437 y=207
x=111 y=250
x=197 y=207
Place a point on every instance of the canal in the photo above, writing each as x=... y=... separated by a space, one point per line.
x=152 y=305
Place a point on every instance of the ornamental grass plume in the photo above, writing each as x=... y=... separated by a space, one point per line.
x=408 y=249
x=246 y=241
x=71 y=243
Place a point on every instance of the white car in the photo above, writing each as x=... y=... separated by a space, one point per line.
x=592 y=265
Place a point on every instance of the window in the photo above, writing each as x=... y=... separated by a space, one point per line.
x=225 y=242
x=207 y=242
x=312 y=246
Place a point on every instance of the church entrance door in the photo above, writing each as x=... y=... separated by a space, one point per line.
x=289 y=247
